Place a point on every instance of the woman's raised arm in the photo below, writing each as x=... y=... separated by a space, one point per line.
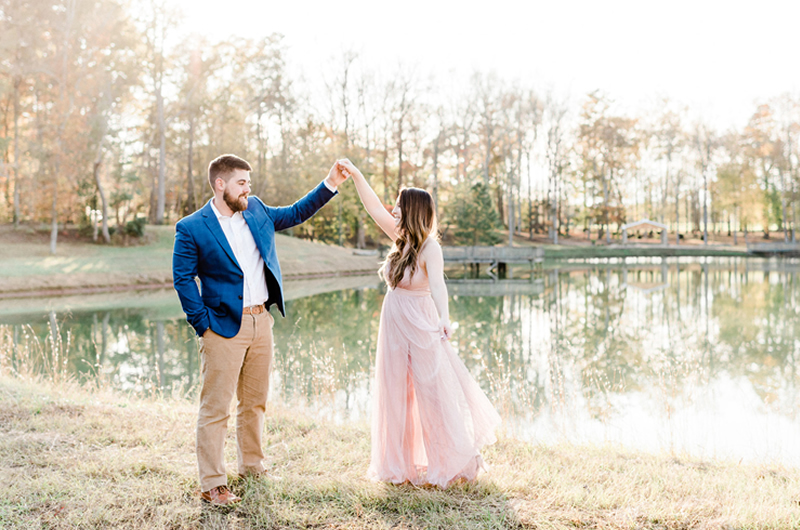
x=369 y=199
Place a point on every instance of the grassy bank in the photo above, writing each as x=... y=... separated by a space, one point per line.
x=28 y=269
x=79 y=266
x=73 y=457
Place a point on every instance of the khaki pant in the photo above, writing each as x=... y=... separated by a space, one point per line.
x=240 y=364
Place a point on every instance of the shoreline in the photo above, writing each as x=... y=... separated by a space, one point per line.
x=86 y=268
x=133 y=287
x=29 y=271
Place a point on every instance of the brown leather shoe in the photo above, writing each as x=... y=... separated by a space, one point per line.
x=220 y=496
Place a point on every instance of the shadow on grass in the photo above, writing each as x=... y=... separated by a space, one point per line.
x=359 y=503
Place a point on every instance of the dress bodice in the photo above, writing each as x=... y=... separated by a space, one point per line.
x=416 y=282
x=419 y=280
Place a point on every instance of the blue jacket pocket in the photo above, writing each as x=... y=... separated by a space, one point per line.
x=212 y=301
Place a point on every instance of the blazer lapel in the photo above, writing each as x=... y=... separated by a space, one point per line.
x=213 y=225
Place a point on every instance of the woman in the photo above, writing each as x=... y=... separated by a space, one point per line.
x=429 y=417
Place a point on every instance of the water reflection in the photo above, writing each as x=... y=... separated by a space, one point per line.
x=696 y=355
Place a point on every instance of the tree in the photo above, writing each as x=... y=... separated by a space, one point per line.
x=764 y=151
x=669 y=141
x=705 y=142
x=609 y=148
x=555 y=118
x=475 y=218
x=161 y=18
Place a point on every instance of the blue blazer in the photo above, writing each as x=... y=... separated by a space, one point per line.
x=202 y=251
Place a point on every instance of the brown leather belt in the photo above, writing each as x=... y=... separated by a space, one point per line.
x=254 y=309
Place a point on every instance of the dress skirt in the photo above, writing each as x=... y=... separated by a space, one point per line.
x=429 y=416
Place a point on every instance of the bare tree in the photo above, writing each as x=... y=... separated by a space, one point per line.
x=161 y=19
x=555 y=117
x=705 y=142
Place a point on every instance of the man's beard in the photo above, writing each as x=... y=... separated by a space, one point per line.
x=238 y=204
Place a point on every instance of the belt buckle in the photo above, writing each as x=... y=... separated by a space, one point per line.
x=254 y=309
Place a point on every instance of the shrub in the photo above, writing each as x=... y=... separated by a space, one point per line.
x=135 y=228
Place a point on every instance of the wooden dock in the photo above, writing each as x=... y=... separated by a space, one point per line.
x=496 y=257
x=783 y=248
x=474 y=288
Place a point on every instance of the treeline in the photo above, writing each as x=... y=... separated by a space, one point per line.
x=106 y=121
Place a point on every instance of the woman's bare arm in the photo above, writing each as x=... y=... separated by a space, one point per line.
x=434 y=264
x=369 y=199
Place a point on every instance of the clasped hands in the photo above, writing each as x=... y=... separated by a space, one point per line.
x=340 y=171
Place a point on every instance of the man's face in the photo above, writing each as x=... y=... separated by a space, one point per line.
x=236 y=190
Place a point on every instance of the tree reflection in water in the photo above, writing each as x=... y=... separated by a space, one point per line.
x=695 y=355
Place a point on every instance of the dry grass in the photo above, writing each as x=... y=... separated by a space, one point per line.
x=75 y=458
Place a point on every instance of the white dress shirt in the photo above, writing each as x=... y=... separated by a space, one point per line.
x=244 y=248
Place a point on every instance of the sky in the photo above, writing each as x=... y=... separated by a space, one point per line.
x=719 y=58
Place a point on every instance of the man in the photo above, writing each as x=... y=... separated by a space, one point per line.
x=229 y=244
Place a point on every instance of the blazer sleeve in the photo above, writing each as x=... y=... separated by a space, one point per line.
x=288 y=216
x=184 y=270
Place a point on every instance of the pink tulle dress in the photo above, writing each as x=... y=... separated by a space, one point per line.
x=429 y=417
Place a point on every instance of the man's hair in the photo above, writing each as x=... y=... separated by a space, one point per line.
x=223 y=166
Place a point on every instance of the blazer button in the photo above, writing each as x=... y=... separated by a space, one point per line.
x=240 y=297
x=241 y=276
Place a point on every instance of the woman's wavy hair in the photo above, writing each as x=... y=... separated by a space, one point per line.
x=417 y=223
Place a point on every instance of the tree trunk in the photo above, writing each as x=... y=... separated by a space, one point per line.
x=783 y=207
x=17 y=83
x=488 y=156
x=530 y=196
x=191 y=201
x=705 y=205
x=665 y=193
x=399 y=155
x=554 y=208
x=436 y=174
x=510 y=209
x=605 y=206
x=54 y=212
x=153 y=172
x=385 y=171
x=97 y=164
x=66 y=109
x=361 y=241
x=161 y=195
x=677 y=215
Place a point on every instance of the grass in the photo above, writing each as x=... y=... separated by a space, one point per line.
x=83 y=457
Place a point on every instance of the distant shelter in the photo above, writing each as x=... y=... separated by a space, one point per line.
x=646 y=225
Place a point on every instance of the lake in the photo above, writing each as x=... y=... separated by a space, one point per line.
x=690 y=355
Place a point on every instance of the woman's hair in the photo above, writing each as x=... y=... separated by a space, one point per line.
x=417 y=222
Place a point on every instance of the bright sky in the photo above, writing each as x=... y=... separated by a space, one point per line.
x=719 y=57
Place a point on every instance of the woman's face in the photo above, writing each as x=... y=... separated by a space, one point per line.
x=397 y=213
